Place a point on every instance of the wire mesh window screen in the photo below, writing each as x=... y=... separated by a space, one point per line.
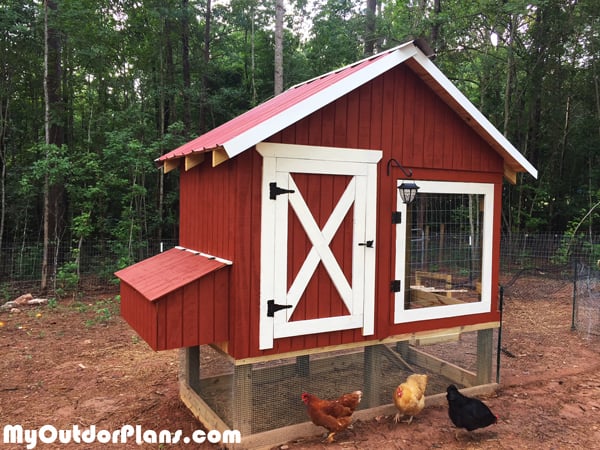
x=445 y=249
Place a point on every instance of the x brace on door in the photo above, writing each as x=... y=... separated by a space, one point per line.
x=320 y=250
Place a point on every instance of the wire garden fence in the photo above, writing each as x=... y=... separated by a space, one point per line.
x=559 y=265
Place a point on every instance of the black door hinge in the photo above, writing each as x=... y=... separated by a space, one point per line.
x=275 y=190
x=395 y=285
x=396 y=217
x=273 y=307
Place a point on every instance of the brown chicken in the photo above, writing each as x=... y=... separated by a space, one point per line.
x=409 y=397
x=334 y=415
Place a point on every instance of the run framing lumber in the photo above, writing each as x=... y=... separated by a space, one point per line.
x=242 y=402
x=445 y=368
x=354 y=345
x=485 y=347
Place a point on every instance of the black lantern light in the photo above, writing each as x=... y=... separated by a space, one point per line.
x=407 y=189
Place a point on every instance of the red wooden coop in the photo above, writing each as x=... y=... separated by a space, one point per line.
x=296 y=247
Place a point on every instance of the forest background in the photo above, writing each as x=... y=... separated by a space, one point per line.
x=92 y=91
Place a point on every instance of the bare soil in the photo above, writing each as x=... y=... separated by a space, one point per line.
x=79 y=363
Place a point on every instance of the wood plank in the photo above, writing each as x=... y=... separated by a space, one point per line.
x=193 y=160
x=485 y=348
x=396 y=358
x=355 y=345
x=189 y=367
x=221 y=302
x=200 y=409
x=170 y=164
x=422 y=298
x=510 y=174
x=372 y=375
x=219 y=155
x=174 y=321
x=191 y=316
x=444 y=368
x=242 y=402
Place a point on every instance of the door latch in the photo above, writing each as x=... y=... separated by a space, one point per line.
x=366 y=244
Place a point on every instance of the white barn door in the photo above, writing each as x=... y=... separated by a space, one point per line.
x=287 y=272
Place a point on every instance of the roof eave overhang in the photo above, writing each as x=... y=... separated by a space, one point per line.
x=514 y=161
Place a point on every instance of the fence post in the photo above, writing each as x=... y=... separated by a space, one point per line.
x=573 y=312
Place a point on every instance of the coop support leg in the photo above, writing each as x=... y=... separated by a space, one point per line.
x=242 y=401
x=403 y=349
x=190 y=367
x=485 y=347
x=303 y=365
x=372 y=376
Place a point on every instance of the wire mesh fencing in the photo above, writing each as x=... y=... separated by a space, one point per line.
x=586 y=300
x=84 y=268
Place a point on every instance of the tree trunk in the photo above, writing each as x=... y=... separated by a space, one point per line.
x=278 y=82
x=53 y=126
x=370 y=22
x=3 y=152
x=170 y=78
x=435 y=28
x=185 y=62
x=206 y=59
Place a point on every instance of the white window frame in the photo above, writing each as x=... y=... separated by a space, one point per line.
x=402 y=315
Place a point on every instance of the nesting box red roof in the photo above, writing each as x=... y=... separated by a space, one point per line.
x=272 y=116
x=156 y=276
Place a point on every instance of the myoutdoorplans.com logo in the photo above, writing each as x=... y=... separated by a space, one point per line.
x=48 y=434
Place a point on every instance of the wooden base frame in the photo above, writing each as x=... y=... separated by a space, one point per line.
x=403 y=355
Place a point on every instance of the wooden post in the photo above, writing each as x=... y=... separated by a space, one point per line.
x=402 y=348
x=190 y=367
x=441 y=245
x=242 y=401
x=303 y=365
x=372 y=376
x=484 y=355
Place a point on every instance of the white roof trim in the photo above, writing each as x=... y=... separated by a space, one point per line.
x=313 y=103
x=394 y=57
x=451 y=89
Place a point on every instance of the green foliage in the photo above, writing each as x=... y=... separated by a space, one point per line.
x=67 y=279
x=104 y=311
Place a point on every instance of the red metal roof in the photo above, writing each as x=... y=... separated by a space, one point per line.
x=274 y=115
x=224 y=134
x=167 y=271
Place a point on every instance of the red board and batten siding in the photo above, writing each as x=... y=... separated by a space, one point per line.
x=396 y=113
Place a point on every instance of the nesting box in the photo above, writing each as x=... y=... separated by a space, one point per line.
x=295 y=240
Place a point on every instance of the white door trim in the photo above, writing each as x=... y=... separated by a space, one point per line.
x=280 y=161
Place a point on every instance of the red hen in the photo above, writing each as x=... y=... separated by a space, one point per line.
x=334 y=415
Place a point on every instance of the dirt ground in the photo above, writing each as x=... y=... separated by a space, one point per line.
x=78 y=362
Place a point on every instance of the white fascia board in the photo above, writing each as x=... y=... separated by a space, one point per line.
x=313 y=103
x=449 y=87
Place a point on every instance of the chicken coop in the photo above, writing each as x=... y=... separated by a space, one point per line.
x=339 y=236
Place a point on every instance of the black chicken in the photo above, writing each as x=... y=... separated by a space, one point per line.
x=466 y=412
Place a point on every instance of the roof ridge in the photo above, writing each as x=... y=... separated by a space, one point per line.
x=353 y=64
